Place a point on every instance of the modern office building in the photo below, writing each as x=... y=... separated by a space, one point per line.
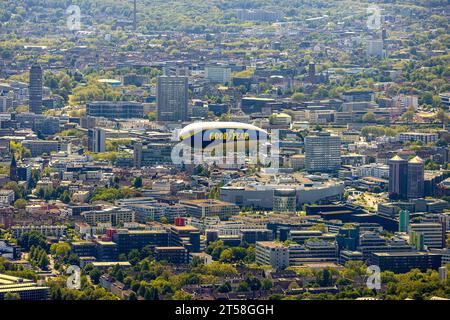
x=128 y=240
x=172 y=98
x=151 y=154
x=209 y=207
x=432 y=234
x=416 y=177
x=106 y=251
x=313 y=251
x=39 y=123
x=322 y=152
x=185 y=236
x=376 y=170
x=25 y=288
x=40 y=147
x=96 y=140
x=413 y=205
x=279 y=255
x=100 y=250
x=280 y=119
x=113 y=215
x=254 y=235
x=218 y=74
x=155 y=211
x=115 y=109
x=358 y=95
x=45 y=229
x=271 y=253
x=83 y=248
x=347 y=255
x=175 y=255
x=398 y=177
x=348 y=237
x=257 y=105
x=46 y=125
x=370 y=242
x=301 y=236
x=35 y=89
x=423 y=137
x=297 y=161
x=402 y=262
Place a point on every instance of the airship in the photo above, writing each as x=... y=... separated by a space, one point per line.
x=206 y=134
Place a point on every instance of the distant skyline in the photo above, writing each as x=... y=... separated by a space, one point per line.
x=224 y=150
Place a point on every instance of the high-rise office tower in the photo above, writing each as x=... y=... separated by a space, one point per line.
x=398 y=178
x=35 y=89
x=172 y=98
x=403 y=225
x=322 y=152
x=96 y=140
x=416 y=178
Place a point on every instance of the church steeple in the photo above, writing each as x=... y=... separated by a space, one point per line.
x=13 y=169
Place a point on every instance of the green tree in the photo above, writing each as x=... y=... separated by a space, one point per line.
x=253 y=282
x=151 y=293
x=243 y=287
x=95 y=275
x=266 y=284
x=137 y=182
x=20 y=204
x=43 y=261
x=369 y=117
x=31 y=239
x=226 y=255
x=324 y=278
x=181 y=295
x=224 y=288
x=164 y=220
x=61 y=250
